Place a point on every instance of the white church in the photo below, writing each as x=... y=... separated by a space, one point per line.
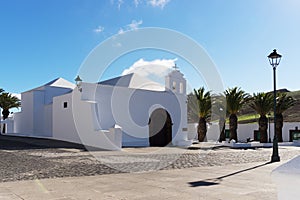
x=126 y=111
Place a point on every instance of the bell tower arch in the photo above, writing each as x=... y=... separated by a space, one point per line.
x=175 y=82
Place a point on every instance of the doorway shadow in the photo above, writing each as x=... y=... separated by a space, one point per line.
x=218 y=180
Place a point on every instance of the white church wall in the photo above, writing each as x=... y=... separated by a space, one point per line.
x=76 y=123
x=38 y=113
x=42 y=115
x=183 y=121
x=23 y=121
x=131 y=109
x=35 y=118
x=17 y=117
x=63 y=122
x=96 y=110
x=47 y=121
x=51 y=92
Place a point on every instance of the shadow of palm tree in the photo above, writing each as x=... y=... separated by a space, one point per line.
x=217 y=180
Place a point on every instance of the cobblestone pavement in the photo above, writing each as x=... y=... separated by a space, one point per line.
x=20 y=161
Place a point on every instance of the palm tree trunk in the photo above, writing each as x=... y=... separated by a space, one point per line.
x=263 y=129
x=279 y=125
x=5 y=114
x=233 y=127
x=202 y=129
x=222 y=129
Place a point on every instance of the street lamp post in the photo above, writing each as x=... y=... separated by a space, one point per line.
x=274 y=59
x=269 y=117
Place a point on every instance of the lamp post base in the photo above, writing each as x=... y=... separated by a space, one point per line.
x=275 y=158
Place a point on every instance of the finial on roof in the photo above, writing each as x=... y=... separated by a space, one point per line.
x=175 y=67
x=78 y=83
x=78 y=78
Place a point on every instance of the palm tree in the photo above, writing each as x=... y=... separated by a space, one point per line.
x=219 y=109
x=235 y=99
x=283 y=102
x=7 y=101
x=192 y=108
x=204 y=106
x=262 y=103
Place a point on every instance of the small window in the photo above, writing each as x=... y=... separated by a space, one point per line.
x=65 y=104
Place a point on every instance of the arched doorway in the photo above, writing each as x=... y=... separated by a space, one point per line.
x=160 y=128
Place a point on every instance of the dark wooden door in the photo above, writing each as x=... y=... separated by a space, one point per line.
x=160 y=128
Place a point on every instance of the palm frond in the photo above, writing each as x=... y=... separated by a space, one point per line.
x=8 y=101
x=204 y=102
x=284 y=102
x=262 y=103
x=235 y=99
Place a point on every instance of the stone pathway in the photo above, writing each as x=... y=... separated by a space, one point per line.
x=31 y=162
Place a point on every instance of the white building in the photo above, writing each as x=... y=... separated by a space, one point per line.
x=125 y=111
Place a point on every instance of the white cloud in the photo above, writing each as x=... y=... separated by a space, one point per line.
x=152 y=3
x=121 y=31
x=136 y=2
x=155 y=70
x=134 y=25
x=158 y=3
x=120 y=2
x=99 y=29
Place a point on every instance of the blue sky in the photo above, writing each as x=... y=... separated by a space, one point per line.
x=43 y=40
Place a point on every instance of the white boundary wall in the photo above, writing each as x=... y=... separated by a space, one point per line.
x=244 y=131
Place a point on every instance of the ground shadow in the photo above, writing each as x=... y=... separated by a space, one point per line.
x=22 y=143
x=209 y=148
x=202 y=183
x=217 y=180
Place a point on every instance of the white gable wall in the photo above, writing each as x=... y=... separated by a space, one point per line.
x=51 y=92
x=23 y=121
x=63 y=122
x=132 y=108
x=38 y=113
x=35 y=118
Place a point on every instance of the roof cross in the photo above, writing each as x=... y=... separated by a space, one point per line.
x=175 y=67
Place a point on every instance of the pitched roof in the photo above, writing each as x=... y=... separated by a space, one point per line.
x=58 y=82
x=134 y=81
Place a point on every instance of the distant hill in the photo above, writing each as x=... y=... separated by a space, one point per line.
x=290 y=115
x=248 y=115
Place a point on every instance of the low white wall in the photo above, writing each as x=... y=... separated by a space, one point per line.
x=9 y=126
x=244 y=131
x=192 y=131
